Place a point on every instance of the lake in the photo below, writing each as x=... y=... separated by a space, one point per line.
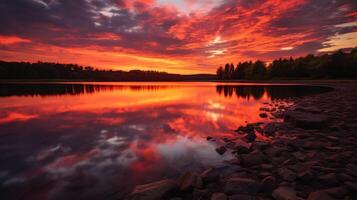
x=99 y=140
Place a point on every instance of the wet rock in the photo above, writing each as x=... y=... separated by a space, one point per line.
x=254 y=158
x=266 y=166
x=284 y=193
x=337 y=192
x=306 y=120
x=274 y=151
x=227 y=140
x=329 y=179
x=345 y=177
x=210 y=175
x=219 y=196
x=241 y=186
x=242 y=150
x=246 y=129
x=241 y=197
x=269 y=129
x=351 y=170
x=209 y=138
x=324 y=169
x=263 y=115
x=269 y=184
x=351 y=185
x=231 y=145
x=306 y=175
x=201 y=194
x=260 y=145
x=153 y=191
x=221 y=150
x=300 y=156
x=250 y=137
x=187 y=181
x=199 y=182
x=319 y=195
x=287 y=174
x=213 y=187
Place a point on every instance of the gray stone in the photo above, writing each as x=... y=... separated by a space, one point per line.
x=221 y=150
x=263 y=115
x=254 y=158
x=269 y=184
x=210 y=175
x=187 y=181
x=246 y=129
x=241 y=186
x=219 y=196
x=337 y=192
x=153 y=191
x=287 y=174
x=269 y=129
x=306 y=175
x=306 y=120
x=201 y=194
x=250 y=137
x=351 y=185
x=329 y=179
x=260 y=145
x=319 y=195
x=274 y=151
x=241 y=197
x=284 y=193
x=240 y=149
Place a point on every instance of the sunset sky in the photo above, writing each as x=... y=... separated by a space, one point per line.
x=187 y=36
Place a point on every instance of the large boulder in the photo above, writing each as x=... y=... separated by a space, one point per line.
x=306 y=120
x=153 y=191
x=238 y=185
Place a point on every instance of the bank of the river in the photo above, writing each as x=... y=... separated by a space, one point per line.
x=310 y=154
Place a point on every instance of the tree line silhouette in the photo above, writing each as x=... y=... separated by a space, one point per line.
x=336 y=65
x=46 y=70
x=58 y=89
x=273 y=91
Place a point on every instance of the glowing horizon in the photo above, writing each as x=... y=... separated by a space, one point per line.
x=186 y=37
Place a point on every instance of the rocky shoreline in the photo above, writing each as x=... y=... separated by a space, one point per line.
x=307 y=152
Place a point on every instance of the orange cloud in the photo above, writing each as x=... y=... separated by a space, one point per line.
x=191 y=36
x=8 y=40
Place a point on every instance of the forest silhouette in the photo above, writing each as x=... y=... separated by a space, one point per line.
x=47 y=71
x=338 y=65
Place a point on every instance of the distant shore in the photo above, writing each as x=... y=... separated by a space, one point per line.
x=323 y=81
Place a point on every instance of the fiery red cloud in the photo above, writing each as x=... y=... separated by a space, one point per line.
x=191 y=36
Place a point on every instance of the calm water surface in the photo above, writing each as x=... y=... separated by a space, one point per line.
x=98 y=140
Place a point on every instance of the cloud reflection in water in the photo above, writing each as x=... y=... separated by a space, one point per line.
x=87 y=141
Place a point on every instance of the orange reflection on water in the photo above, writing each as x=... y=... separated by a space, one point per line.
x=88 y=136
